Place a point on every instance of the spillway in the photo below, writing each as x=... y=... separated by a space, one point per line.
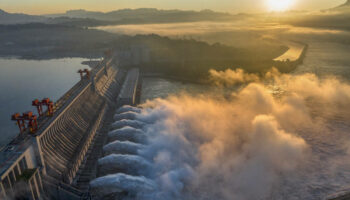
x=126 y=115
x=122 y=163
x=122 y=147
x=127 y=122
x=122 y=171
x=127 y=108
x=121 y=185
x=127 y=133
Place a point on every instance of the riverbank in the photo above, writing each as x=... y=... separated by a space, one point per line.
x=294 y=52
x=284 y=66
x=291 y=59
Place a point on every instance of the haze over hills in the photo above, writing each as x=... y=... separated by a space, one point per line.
x=18 y=18
x=342 y=8
x=84 y=18
x=346 y=4
x=142 y=13
x=337 y=18
x=124 y=16
x=146 y=15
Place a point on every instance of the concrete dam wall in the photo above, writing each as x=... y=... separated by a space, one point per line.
x=64 y=143
x=51 y=163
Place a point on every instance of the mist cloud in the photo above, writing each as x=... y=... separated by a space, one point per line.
x=277 y=137
x=259 y=143
x=231 y=77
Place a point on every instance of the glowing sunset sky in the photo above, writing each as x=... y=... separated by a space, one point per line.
x=59 y=6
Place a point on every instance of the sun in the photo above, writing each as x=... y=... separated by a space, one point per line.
x=279 y=5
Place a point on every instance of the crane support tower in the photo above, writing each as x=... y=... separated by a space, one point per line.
x=32 y=121
x=20 y=122
x=45 y=102
x=49 y=104
x=83 y=73
x=38 y=106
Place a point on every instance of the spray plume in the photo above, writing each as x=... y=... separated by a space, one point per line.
x=271 y=139
x=262 y=142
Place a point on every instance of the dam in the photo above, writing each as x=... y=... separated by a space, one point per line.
x=88 y=148
x=56 y=156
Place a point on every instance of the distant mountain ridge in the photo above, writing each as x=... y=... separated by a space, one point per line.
x=123 y=16
x=345 y=7
x=19 y=18
x=146 y=14
x=346 y=4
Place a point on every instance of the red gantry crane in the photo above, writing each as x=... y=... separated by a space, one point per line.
x=49 y=104
x=20 y=121
x=38 y=106
x=83 y=73
x=30 y=117
x=45 y=102
x=32 y=121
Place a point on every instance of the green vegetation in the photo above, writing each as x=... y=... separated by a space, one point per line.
x=186 y=58
x=191 y=59
x=83 y=18
x=43 y=41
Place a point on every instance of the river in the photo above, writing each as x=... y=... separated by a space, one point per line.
x=325 y=59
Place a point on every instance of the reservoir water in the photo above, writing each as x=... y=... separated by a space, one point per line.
x=22 y=81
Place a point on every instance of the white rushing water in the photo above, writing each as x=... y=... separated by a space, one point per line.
x=117 y=183
x=127 y=109
x=127 y=122
x=122 y=147
x=268 y=140
x=130 y=164
x=126 y=115
x=127 y=133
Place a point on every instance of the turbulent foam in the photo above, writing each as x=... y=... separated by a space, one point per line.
x=284 y=138
x=128 y=134
x=126 y=122
x=122 y=147
x=117 y=183
x=261 y=142
x=129 y=164
x=125 y=115
x=128 y=108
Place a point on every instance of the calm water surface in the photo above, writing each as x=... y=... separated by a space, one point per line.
x=22 y=81
x=324 y=58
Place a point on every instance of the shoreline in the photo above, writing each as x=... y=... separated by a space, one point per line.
x=292 y=64
x=292 y=50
